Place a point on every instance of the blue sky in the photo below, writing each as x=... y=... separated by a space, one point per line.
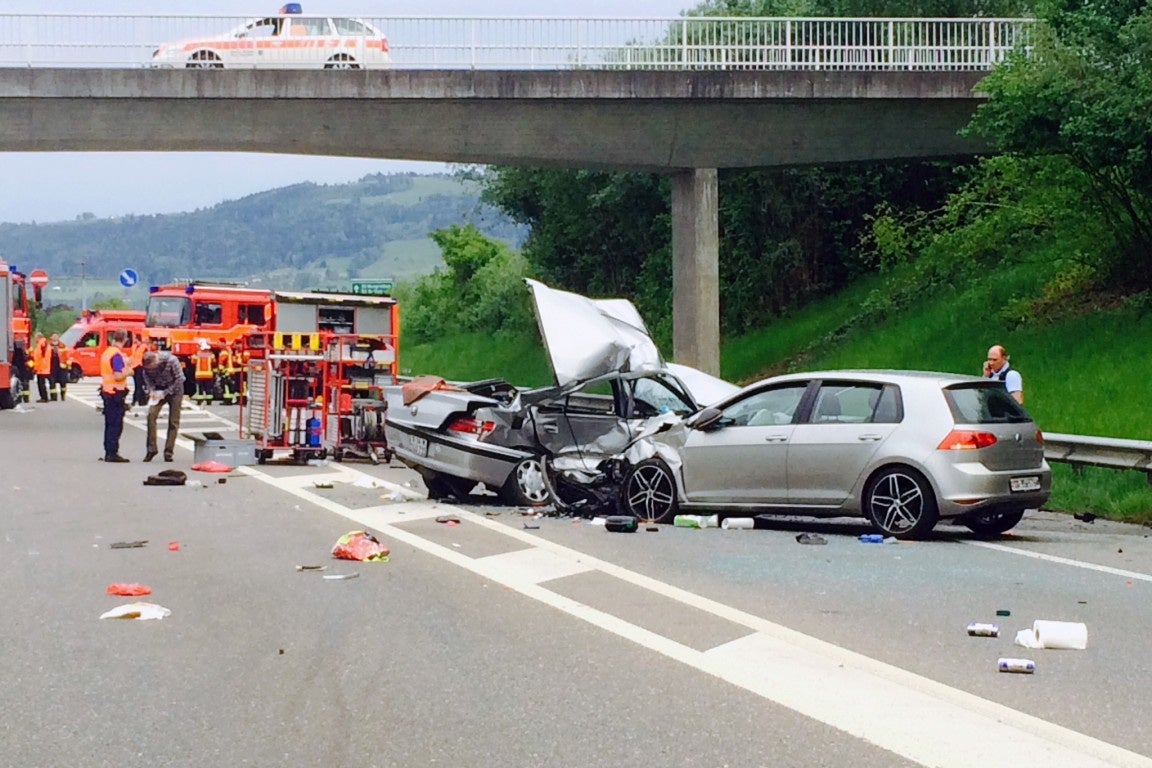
x=56 y=186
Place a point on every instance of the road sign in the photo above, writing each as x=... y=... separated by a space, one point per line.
x=38 y=278
x=372 y=287
x=129 y=278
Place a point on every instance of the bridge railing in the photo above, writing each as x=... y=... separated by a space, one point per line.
x=554 y=43
x=1114 y=453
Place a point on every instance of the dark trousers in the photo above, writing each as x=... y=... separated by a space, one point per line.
x=139 y=395
x=113 y=421
x=43 y=381
x=173 y=403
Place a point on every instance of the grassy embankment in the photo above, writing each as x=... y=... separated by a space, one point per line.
x=1084 y=375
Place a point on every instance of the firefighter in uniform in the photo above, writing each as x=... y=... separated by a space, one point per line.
x=136 y=361
x=41 y=364
x=61 y=368
x=205 y=374
x=226 y=370
x=114 y=373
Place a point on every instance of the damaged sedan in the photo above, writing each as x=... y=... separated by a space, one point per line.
x=902 y=449
x=609 y=379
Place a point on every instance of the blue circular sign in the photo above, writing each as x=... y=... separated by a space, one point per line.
x=129 y=278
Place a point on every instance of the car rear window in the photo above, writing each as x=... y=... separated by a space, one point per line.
x=982 y=403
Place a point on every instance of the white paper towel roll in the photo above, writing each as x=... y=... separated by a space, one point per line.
x=739 y=523
x=1064 y=635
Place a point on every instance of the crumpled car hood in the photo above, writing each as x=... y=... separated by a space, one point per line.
x=586 y=338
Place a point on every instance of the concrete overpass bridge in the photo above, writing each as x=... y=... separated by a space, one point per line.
x=687 y=117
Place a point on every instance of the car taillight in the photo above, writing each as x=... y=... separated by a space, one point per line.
x=966 y=440
x=470 y=426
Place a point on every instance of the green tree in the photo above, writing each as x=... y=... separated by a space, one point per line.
x=1084 y=93
x=481 y=288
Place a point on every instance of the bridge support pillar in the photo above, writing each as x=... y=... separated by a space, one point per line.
x=695 y=269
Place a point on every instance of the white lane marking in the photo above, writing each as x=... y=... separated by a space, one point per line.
x=1062 y=560
x=920 y=719
x=534 y=565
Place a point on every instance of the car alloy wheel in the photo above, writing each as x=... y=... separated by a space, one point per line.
x=525 y=486
x=900 y=503
x=650 y=492
x=993 y=523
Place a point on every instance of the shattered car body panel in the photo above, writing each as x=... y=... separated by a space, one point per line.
x=610 y=380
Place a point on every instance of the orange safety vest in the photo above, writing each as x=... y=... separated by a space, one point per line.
x=42 y=358
x=224 y=361
x=136 y=358
x=108 y=382
x=204 y=361
x=65 y=356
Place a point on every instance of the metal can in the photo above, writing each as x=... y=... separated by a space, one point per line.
x=983 y=630
x=1024 y=666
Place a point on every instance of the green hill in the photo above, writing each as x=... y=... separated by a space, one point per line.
x=296 y=237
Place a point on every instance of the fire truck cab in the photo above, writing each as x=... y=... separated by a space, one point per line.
x=192 y=318
x=15 y=332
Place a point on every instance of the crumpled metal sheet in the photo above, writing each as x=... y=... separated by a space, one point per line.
x=586 y=338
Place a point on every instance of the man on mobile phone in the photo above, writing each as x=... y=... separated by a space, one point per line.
x=998 y=367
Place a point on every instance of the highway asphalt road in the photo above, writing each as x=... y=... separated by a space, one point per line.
x=497 y=643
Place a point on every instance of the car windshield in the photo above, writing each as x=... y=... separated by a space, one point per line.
x=167 y=312
x=984 y=403
x=659 y=394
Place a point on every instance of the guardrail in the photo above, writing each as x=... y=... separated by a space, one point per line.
x=469 y=42
x=1115 y=453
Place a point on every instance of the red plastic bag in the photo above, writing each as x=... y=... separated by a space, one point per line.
x=129 y=590
x=211 y=466
x=360 y=545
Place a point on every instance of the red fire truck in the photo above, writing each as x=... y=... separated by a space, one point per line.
x=15 y=329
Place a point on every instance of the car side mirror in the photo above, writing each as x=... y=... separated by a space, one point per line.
x=706 y=419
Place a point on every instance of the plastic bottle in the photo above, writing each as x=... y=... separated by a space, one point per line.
x=314 y=434
x=872 y=538
x=686 y=521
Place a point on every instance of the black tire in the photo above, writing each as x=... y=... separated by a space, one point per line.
x=525 y=485
x=649 y=492
x=341 y=61
x=337 y=455
x=900 y=502
x=993 y=523
x=75 y=373
x=204 y=60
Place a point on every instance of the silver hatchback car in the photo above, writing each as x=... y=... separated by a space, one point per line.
x=903 y=449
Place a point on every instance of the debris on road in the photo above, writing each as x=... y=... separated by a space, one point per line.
x=129 y=590
x=128 y=544
x=1087 y=517
x=872 y=538
x=323 y=484
x=167 y=477
x=448 y=520
x=173 y=546
x=362 y=546
x=810 y=538
x=621 y=524
x=311 y=567
x=1054 y=635
x=142 y=611
x=341 y=576
x=211 y=466
x=1003 y=612
x=738 y=523
x=532 y=525
x=978 y=629
x=1023 y=666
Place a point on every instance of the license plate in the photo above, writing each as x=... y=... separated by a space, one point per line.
x=419 y=445
x=1024 y=484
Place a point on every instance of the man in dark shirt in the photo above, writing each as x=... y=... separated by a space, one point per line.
x=164 y=380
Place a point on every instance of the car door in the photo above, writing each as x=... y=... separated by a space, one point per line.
x=587 y=418
x=743 y=458
x=88 y=350
x=843 y=429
